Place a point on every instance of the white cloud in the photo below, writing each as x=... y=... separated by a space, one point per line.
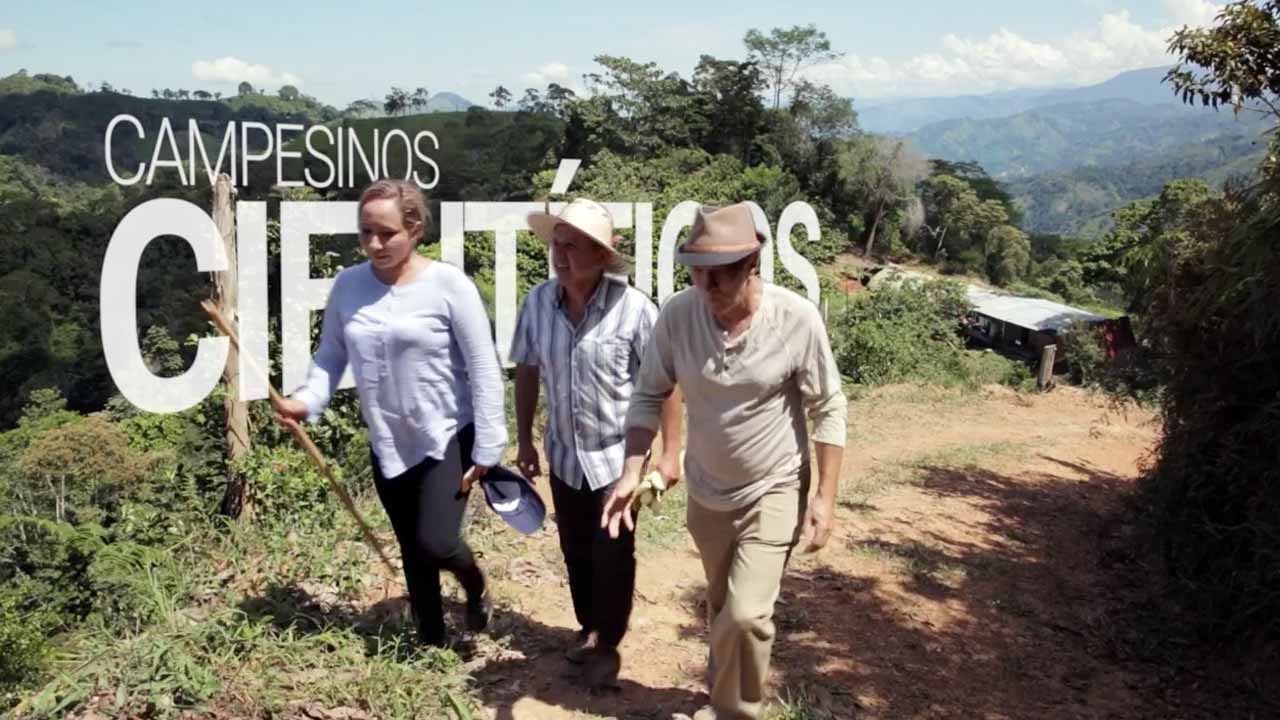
x=1005 y=59
x=1196 y=13
x=552 y=72
x=234 y=70
x=8 y=39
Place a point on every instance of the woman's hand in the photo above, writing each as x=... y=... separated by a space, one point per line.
x=469 y=478
x=289 y=412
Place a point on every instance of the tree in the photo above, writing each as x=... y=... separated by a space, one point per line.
x=532 y=101
x=730 y=93
x=217 y=95
x=183 y=95
x=1233 y=63
x=81 y=483
x=155 y=93
x=825 y=115
x=783 y=53
x=201 y=95
x=882 y=173
x=420 y=99
x=289 y=93
x=1008 y=253
x=1237 y=58
x=557 y=97
x=397 y=101
x=976 y=176
x=501 y=97
x=635 y=109
x=476 y=116
x=244 y=88
x=953 y=211
x=1136 y=253
x=168 y=94
x=359 y=108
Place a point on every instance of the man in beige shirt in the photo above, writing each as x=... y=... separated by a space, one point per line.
x=754 y=364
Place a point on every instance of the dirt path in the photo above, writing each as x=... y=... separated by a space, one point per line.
x=975 y=574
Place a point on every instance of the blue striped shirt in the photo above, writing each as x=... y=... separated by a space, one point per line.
x=588 y=373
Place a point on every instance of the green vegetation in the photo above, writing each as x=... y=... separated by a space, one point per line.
x=1201 y=271
x=22 y=83
x=911 y=333
x=1078 y=201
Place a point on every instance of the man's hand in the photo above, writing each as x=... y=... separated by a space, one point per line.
x=617 y=508
x=669 y=467
x=469 y=478
x=819 y=521
x=527 y=461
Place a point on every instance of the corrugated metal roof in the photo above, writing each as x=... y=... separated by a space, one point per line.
x=1024 y=312
x=1027 y=312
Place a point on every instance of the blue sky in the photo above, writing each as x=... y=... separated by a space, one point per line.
x=340 y=53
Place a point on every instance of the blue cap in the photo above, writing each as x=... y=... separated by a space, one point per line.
x=514 y=499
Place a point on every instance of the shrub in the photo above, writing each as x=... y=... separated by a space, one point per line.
x=1085 y=354
x=287 y=486
x=895 y=334
x=24 y=637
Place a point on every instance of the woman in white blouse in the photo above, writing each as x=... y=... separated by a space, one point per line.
x=416 y=335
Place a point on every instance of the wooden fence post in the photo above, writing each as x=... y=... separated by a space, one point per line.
x=1045 y=376
x=236 y=499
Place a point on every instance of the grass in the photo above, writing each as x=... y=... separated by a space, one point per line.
x=259 y=622
x=883 y=475
x=794 y=704
x=663 y=525
x=919 y=561
x=255 y=667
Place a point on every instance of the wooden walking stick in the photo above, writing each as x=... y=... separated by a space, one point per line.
x=303 y=439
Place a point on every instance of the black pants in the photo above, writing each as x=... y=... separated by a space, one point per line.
x=602 y=570
x=426 y=511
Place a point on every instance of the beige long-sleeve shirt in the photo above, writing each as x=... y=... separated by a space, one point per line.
x=747 y=399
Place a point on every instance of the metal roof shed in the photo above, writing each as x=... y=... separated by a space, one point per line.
x=1031 y=313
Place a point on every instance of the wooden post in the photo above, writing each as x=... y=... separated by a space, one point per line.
x=1045 y=376
x=236 y=499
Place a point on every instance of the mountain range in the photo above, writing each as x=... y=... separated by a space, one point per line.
x=906 y=115
x=1070 y=156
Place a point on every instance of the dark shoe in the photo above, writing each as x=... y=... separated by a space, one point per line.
x=601 y=668
x=479 y=612
x=578 y=652
x=434 y=640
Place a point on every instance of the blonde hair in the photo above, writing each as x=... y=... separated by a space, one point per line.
x=413 y=206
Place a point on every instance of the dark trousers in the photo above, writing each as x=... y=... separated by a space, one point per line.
x=602 y=570
x=426 y=509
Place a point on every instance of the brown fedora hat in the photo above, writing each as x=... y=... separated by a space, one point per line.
x=720 y=236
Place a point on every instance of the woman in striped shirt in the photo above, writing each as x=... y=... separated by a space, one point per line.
x=416 y=336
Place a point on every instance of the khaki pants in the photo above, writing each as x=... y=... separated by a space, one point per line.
x=744 y=554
